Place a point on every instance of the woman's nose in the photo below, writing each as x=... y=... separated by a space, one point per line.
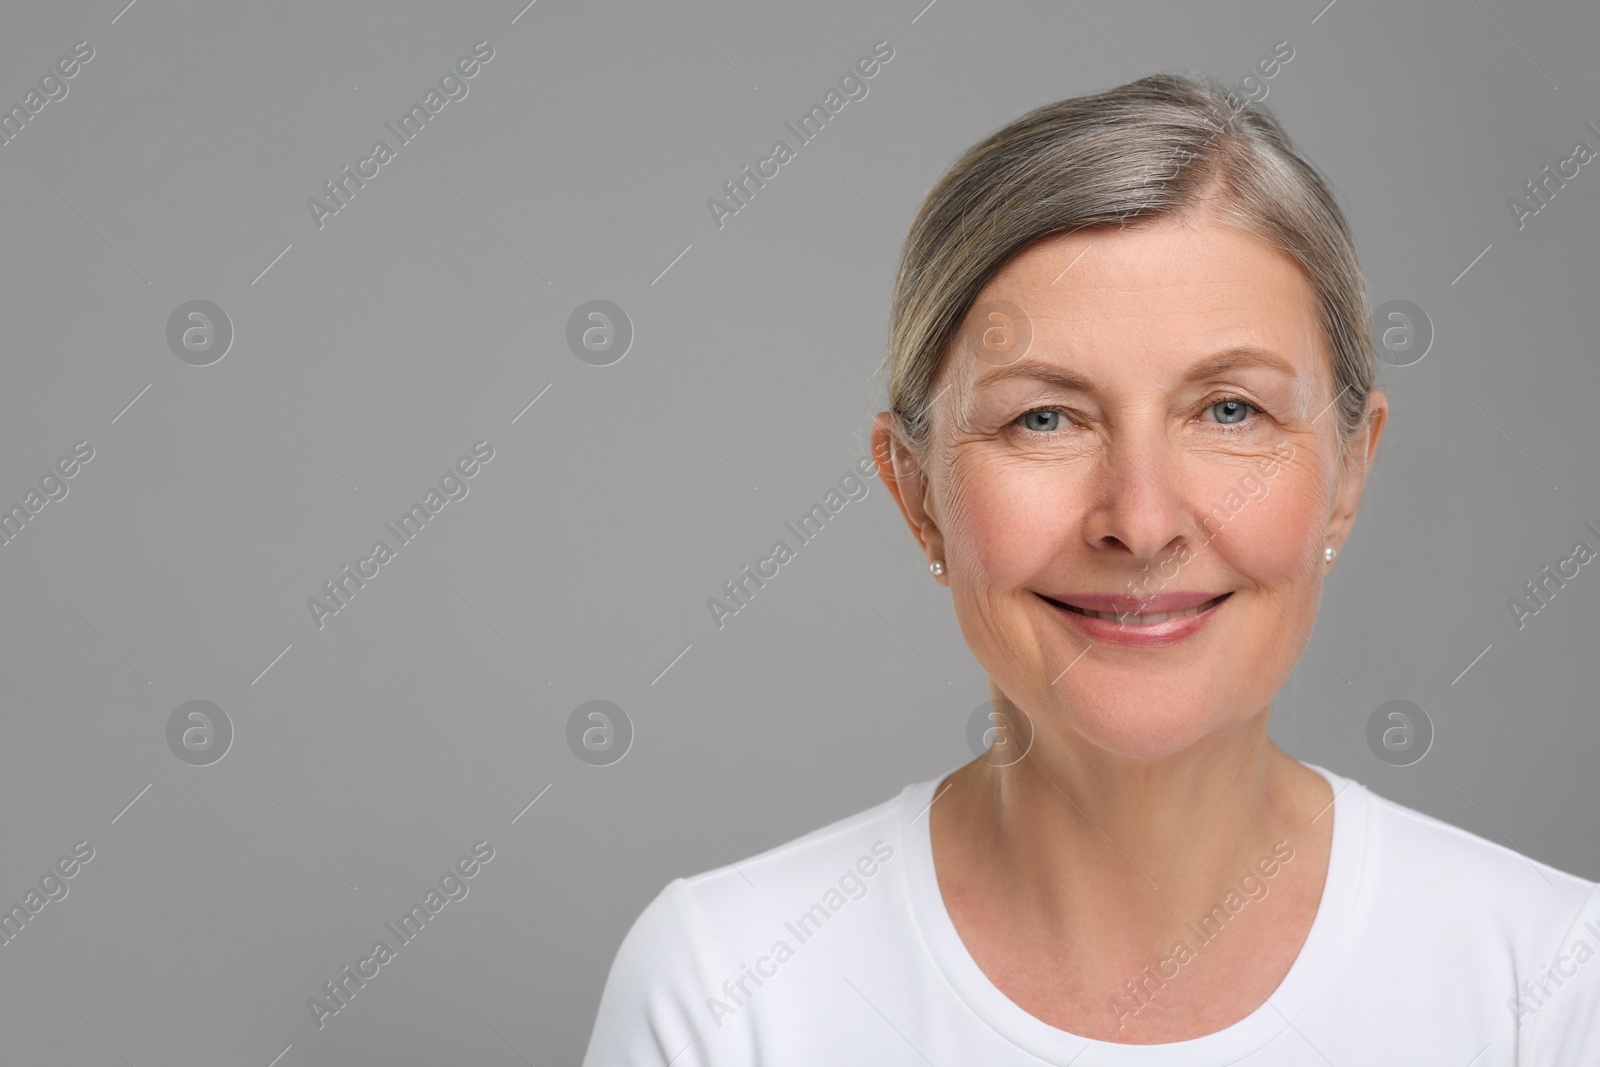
x=1136 y=499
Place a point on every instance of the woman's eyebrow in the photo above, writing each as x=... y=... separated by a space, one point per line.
x=1238 y=357
x=1207 y=367
x=1049 y=373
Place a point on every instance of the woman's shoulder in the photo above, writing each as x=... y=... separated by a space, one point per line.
x=1426 y=852
x=1426 y=909
x=876 y=831
x=1428 y=883
x=683 y=968
x=740 y=902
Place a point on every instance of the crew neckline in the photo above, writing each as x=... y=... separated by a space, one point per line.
x=1309 y=971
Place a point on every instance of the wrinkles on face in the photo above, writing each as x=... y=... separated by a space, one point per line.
x=1157 y=418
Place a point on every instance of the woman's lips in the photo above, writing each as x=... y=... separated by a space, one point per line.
x=1155 y=621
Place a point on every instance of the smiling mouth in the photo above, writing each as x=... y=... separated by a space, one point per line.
x=1149 y=619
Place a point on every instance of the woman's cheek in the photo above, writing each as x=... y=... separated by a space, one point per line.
x=1272 y=539
x=1010 y=522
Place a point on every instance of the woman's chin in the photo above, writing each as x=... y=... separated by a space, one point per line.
x=1141 y=732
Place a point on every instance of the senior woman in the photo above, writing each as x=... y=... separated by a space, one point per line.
x=1132 y=411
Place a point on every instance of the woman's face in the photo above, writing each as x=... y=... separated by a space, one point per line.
x=1138 y=421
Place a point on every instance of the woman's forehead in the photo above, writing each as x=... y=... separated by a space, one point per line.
x=1203 y=256
x=1172 y=291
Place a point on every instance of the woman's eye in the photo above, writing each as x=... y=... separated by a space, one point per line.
x=1040 y=420
x=1232 y=410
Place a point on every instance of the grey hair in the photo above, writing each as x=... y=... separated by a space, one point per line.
x=1159 y=146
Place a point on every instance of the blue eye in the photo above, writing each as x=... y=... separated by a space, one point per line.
x=1028 y=418
x=1232 y=410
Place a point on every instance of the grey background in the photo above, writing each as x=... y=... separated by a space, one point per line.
x=427 y=315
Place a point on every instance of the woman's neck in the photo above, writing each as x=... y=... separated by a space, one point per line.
x=1094 y=849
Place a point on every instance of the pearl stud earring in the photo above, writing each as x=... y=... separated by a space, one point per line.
x=1329 y=552
x=937 y=567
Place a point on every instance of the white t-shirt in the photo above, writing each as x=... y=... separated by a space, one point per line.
x=1431 y=946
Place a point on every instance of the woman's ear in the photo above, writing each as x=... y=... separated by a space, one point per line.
x=908 y=482
x=1357 y=463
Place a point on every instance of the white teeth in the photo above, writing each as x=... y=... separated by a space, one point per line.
x=1144 y=620
x=1150 y=619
